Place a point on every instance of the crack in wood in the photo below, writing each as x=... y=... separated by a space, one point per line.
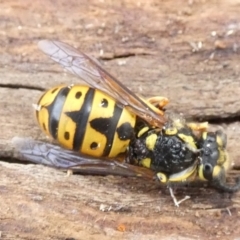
x=218 y=120
x=109 y=57
x=20 y=86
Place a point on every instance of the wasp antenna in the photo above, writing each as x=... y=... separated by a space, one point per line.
x=37 y=107
x=220 y=184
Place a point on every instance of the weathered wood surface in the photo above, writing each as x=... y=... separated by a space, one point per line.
x=154 y=47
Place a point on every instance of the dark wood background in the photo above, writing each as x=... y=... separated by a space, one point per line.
x=185 y=50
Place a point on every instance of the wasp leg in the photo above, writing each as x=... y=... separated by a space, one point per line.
x=176 y=202
x=164 y=179
x=156 y=104
x=184 y=199
x=69 y=172
x=199 y=127
x=158 y=101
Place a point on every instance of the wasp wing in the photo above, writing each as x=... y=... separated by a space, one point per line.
x=27 y=149
x=92 y=73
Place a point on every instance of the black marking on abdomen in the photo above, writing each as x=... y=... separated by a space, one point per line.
x=55 y=110
x=125 y=131
x=94 y=145
x=80 y=117
x=104 y=103
x=107 y=127
x=66 y=135
x=78 y=95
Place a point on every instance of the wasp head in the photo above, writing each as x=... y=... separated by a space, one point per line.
x=215 y=162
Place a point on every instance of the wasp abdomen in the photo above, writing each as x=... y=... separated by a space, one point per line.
x=86 y=120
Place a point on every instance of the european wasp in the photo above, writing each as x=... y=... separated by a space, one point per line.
x=104 y=119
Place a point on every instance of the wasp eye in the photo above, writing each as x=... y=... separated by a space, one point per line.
x=208 y=168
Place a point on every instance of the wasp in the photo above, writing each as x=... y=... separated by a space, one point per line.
x=97 y=122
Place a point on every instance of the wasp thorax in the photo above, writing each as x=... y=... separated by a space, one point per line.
x=165 y=151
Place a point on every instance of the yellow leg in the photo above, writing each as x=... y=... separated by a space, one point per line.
x=156 y=104
x=158 y=101
x=199 y=127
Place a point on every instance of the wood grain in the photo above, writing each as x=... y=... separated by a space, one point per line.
x=186 y=51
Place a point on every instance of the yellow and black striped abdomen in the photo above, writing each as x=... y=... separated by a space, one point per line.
x=86 y=120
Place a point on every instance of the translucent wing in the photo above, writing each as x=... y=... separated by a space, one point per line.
x=92 y=73
x=27 y=149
